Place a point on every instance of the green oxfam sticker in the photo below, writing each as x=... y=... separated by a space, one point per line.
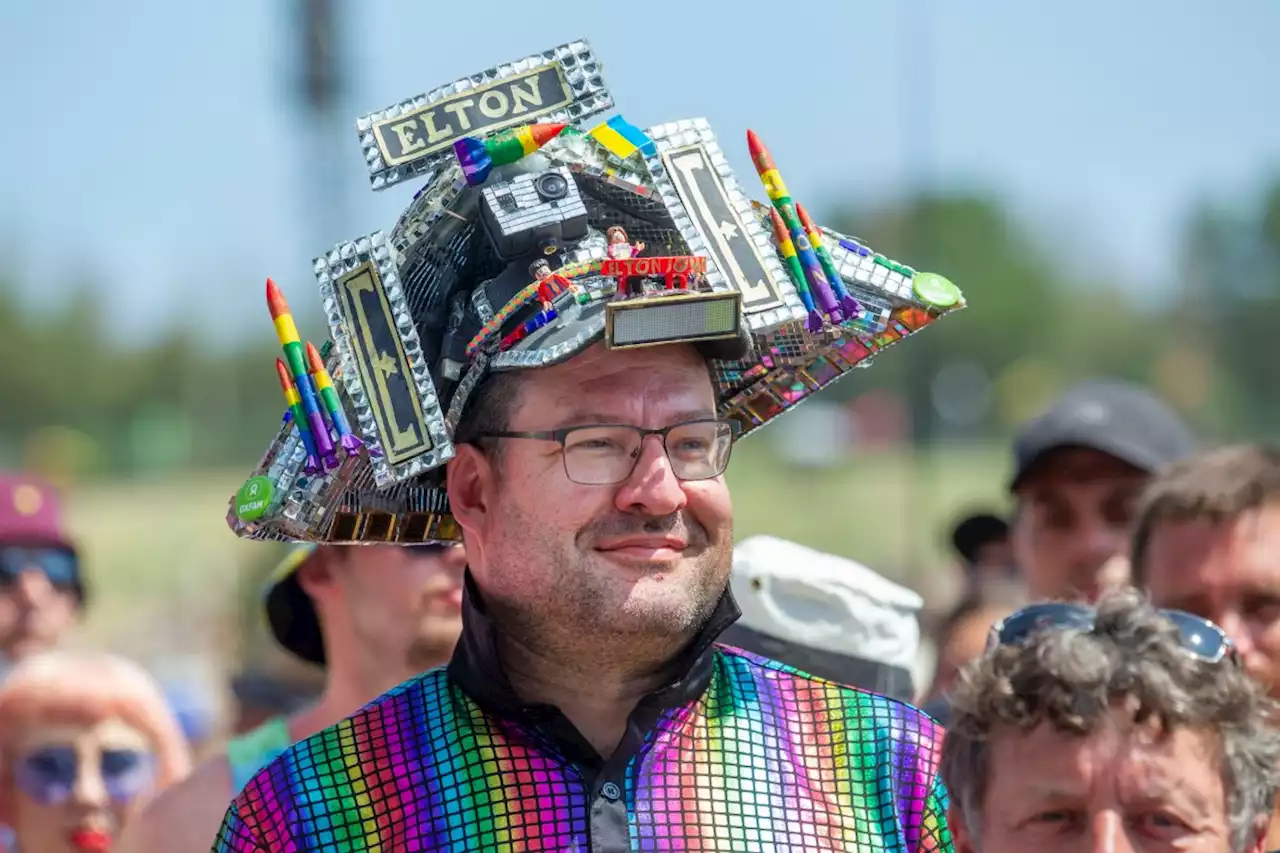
x=253 y=498
x=935 y=290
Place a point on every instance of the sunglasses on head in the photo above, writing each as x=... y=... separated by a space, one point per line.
x=48 y=774
x=1198 y=637
x=59 y=565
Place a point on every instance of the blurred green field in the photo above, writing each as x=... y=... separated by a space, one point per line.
x=165 y=570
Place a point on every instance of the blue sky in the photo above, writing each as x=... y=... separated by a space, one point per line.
x=155 y=143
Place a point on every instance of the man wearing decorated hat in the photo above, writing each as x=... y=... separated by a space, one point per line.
x=372 y=617
x=587 y=706
x=41 y=588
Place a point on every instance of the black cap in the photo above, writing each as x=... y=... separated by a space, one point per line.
x=974 y=531
x=1117 y=418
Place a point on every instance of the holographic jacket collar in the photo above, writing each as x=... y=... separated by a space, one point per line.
x=737 y=753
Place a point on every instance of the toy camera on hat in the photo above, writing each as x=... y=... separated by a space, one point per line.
x=542 y=228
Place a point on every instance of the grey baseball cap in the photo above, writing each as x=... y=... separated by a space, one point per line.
x=1117 y=418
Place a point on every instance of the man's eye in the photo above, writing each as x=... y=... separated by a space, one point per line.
x=1262 y=607
x=1162 y=823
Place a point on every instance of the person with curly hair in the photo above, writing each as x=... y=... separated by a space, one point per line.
x=1117 y=728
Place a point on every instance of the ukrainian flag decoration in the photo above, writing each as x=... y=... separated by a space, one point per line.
x=621 y=139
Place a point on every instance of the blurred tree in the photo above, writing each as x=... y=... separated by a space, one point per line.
x=1230 y=292
x=1022 y=303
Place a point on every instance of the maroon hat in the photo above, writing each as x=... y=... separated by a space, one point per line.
x=30 y=512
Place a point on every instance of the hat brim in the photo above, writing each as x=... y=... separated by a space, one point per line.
x=291 y=615
x=1136 y=457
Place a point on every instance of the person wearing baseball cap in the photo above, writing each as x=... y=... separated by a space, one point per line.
x=41 y=587
x=371 y=616
x=1078 y=469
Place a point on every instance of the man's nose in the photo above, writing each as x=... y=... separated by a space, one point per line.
x=653 y=488
x=1109 y=834
x=1100 y=541
x=455 y=558
x=32 y=586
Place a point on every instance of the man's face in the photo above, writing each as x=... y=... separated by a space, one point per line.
x=1121 y=788
x=649 y=556
x=1071 y=533
x=1229 y=573
x=38 y=604
x=404 y=603
x=71 y=788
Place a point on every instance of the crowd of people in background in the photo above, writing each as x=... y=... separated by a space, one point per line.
x=1105 y=675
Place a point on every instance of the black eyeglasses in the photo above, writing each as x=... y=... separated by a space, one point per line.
x=606 y=454
x=1198 y=637
x=59 y=565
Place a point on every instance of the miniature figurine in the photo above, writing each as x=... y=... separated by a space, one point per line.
x=550 y=285
x=620 y=249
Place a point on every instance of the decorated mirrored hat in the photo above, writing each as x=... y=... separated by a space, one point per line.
x=543 y=224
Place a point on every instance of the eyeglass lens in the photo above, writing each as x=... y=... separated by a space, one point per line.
x=48 y=775
x=605 y=455
x=1039 y=617
x=1199 y=637
x=57 y=564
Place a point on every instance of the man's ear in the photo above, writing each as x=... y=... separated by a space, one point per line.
x=316 y=574
x=471 y=482
x=961 y=838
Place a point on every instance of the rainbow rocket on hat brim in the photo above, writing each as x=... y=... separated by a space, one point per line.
x=477 y=157
x=847 y=302
x=294 y=404
x=347 y=440
x=778 y=194
x=287 y=334
x=788 y=251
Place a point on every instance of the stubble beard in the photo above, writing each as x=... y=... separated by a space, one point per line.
x=570 y=598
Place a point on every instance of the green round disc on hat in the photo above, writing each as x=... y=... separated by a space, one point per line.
x=253 y=498
x=935 y=290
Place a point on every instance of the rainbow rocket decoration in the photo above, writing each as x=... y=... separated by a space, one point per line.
x=478 y=156
x=287 y=333
x=294 y=402
x=851 y=306
x=788 y=250
x=781 y=198
x=347 y=440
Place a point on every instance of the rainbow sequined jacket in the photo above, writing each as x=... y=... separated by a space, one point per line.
x=740 y=753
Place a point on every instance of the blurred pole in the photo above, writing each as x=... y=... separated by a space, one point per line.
x=917 y=54
x=318 y=84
